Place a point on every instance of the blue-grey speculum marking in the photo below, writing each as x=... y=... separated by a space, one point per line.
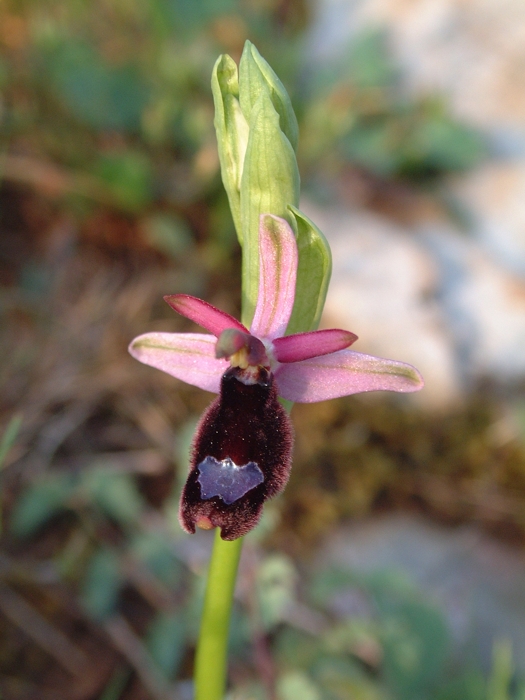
x=227 y=480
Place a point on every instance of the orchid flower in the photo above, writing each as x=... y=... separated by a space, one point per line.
x=243 y=445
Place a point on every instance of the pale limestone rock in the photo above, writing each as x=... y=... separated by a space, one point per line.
x=494 y=197
x=455 y=300
x=485 y=306
x=383 y=286
x=471 y=50
x=430 y=296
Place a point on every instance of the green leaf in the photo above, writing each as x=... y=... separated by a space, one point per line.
x=116 y=685
x=295 y=684
x=370 y=65
x=232 y=132
x=353 y=633
x=499 y=682
x=254 y=690
x=270 y=183
x=128 y=176
x=375 y=145
x=415 y=644
x=102 y=584
x=341 y=677
x=168 y=233
x=313 y=274
x=296 y=648
x=257 y=76
x=166 y=640
x=115 y=494
x=327 y=582
x=155 y=550
x=6 y=442
x=240 y=636
x=99 y=95
x=40 y=502
x=470 y=685
x=276 y=579
x=443 y=144
x=9 y=437
x=187 y=19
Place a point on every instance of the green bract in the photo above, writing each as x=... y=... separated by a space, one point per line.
x=270 y=182
x=232 y=132
x=257 y=133
x=257 y=77
x=313 y=274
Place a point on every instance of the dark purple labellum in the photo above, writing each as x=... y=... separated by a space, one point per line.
x=241 y=456
x=227 y=480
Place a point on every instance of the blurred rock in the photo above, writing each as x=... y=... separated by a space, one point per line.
x=478 y=583
x=473 y=51
x=383 y=288
x=493 y=197
x=450 y=302
x=484 y=303
x=428 y=295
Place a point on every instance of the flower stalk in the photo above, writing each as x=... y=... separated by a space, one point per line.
x=212 y=648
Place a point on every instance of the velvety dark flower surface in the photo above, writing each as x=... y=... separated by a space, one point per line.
x=246 y=433
x=242 y=455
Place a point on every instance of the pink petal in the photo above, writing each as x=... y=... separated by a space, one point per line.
x=187 y=356
x=303 y=346
x=342 y=373
x=206 y=315
x=277 y=270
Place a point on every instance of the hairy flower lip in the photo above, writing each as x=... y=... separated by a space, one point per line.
x=308 y=367
x=245 y=424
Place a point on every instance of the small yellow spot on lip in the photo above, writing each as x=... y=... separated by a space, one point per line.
x=204 y=523
x=240 y=359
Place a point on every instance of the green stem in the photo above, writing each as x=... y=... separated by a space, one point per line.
x=212 y=647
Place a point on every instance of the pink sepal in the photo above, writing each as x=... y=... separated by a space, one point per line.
x=303 y=346
x=277 y=271
x=342 y=373
x=213 y=320
x=186 y=356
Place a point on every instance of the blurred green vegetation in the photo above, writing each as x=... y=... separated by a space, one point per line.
x=393 y=645
x=130 y=572
x=357 y=112
x=120 y=91
x=118 y=95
